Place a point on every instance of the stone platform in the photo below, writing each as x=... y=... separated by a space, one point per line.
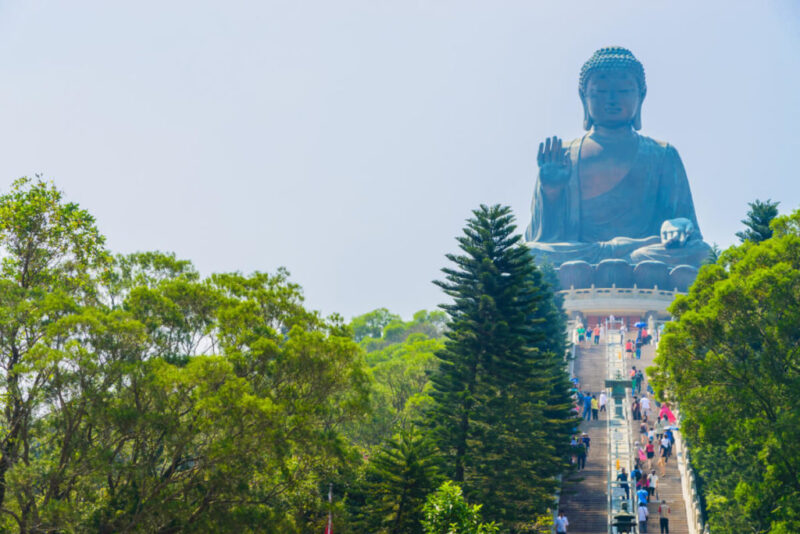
x=620 y=302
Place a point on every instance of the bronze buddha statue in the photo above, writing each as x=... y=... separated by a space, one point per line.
x=613 y=193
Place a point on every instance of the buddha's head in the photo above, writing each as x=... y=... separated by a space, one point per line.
x=612 y=89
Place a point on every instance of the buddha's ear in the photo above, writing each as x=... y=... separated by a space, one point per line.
x=637 y=119
x=587 y=119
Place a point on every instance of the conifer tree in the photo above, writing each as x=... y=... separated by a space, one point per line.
x=758 y=218
x=501 y=410
x=400 y=478
x=558 y=410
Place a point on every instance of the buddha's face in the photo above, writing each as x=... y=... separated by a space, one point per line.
x=612 y=98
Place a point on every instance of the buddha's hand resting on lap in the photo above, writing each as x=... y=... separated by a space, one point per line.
x=554 y=163
x=676 y=232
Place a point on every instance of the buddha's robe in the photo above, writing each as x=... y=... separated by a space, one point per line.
x=625 y=222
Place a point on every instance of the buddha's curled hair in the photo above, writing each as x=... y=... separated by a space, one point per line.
x=612 y=58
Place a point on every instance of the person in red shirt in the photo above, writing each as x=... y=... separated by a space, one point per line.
x=651 y=453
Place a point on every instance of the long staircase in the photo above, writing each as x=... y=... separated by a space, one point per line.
x=584 y=496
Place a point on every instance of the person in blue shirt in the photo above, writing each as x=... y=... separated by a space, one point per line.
x=623 y=479
x=587 y=406
x=636 y=474
x=642 y=494
x=561 y=523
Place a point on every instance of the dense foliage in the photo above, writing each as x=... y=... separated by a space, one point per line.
x=138 y=396
x=732 y=360
x=446 y=512
x=387 y=493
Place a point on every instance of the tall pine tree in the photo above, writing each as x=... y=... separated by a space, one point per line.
x=501 y=414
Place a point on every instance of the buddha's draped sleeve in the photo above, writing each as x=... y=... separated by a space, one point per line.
x=557 y=220
x=674 y=195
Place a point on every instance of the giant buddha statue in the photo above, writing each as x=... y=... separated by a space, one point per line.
x=613 y=194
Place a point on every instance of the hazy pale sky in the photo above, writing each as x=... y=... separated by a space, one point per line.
x=348 y=141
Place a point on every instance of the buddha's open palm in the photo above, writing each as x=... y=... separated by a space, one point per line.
x=554 y=162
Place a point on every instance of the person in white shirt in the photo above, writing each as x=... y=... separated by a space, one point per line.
x=652 y=485
x=665 y=445
x=663 y=455
x=645 y=402
x=643 y=513
x=561 y=523
x=602 y=401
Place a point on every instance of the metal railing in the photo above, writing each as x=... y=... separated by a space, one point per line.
x=620 y=448
x=620 y=291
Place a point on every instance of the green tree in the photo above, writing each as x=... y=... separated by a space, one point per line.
x=50 y=249
x=501 y=367
x=401 y=359
x=446 y=512
x=731 y=360
x=559 y=419
x=401 y=387
x=372 y=324
x=309 y=369
x=401 y=476
x=758 y=220
x=379 y=328
x=388 y=494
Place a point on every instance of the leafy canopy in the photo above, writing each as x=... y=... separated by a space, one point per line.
x=136 y=396
x=446 y=512
x=731 y=359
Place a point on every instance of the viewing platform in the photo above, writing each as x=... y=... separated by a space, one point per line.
x=619 y=301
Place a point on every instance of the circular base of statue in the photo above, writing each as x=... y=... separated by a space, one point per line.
x=615 y=287
x=648 y=274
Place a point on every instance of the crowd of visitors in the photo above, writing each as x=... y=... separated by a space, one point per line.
x=655 y=422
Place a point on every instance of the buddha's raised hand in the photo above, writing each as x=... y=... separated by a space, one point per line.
x=554 y=163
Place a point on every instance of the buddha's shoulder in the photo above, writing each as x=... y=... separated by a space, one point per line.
x=657 y=147
x=645 y=143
